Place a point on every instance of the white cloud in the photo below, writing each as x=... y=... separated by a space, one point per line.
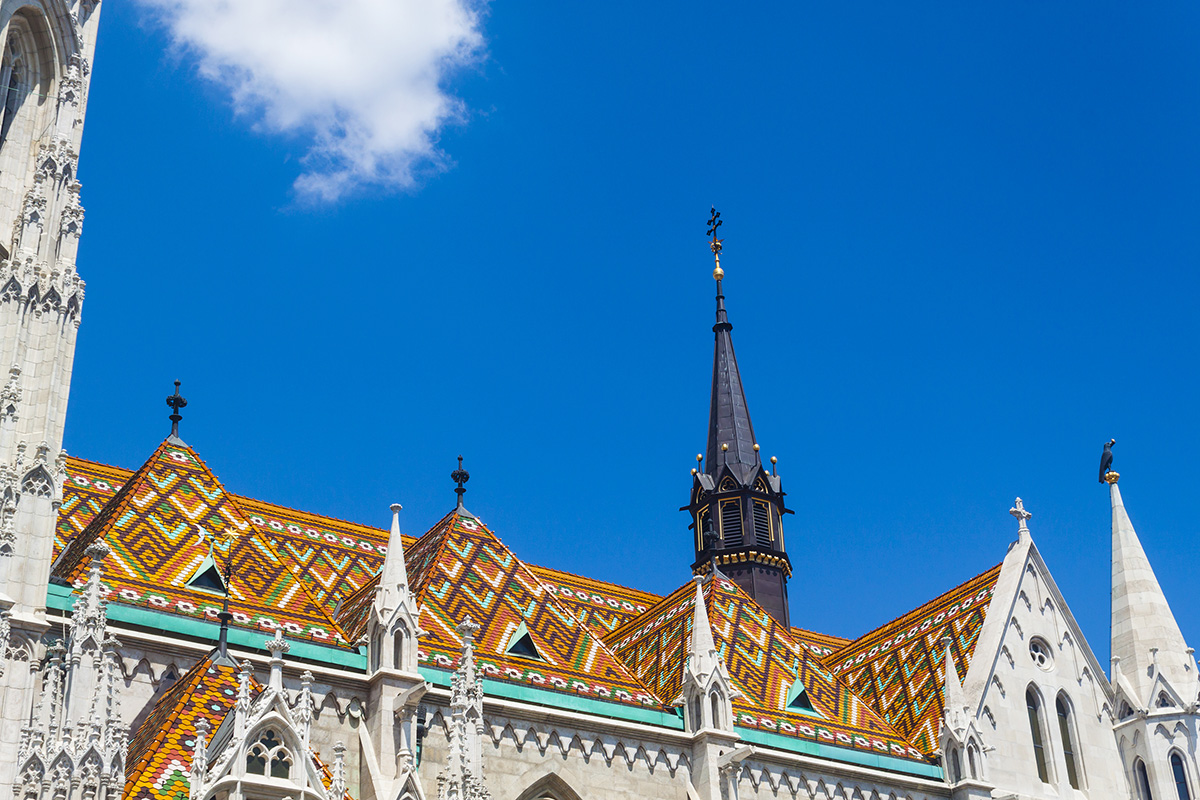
x=361 y=80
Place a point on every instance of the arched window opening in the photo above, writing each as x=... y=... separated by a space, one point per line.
x=269 y=750
x=281 y=764
x=762 y=523
x=716 y=710
x=697 y=723
x=256 y=760
x=731 y=522
x=14 y=83
x=955 y=765
x=1125 y=711
x=1164 y=701
x=971 y=761
x=1180 y=774
x=1033 y=706
x=1064 y=728
x=398 y=649
x=1143 y=781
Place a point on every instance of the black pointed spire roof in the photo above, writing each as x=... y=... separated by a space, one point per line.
x=729 y=415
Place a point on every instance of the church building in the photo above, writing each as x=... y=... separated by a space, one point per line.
x=163 y=637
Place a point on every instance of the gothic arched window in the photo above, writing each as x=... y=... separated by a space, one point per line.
x=1033 y=705
x=1143 y=781
x=716 y=710
x=1063 y=707
x=955 y=765
x=1179 y=772
x=973 y=760
x=269 y=750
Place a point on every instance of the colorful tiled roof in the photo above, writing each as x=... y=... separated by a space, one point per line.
x=822 y=644
x=161 y=526
x=764 y=660
x=603 y=606
x=898 y=667
x=460 y=569
x=160 y=752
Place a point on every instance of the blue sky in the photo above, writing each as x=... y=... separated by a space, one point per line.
x=961 y=253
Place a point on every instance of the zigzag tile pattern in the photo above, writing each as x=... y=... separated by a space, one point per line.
x=603 y=606
x=161 y=525
x=898 y=668
x=764 y=660
x=460 y=569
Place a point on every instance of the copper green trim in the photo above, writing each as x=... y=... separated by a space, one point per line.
x=843 y=754
x=541 y=697
x=60 y=597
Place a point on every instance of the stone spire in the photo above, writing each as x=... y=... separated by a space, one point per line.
x=393 y=579
x=463 y=776
x=1145 y=636
x=954 y=710
x=702 y=655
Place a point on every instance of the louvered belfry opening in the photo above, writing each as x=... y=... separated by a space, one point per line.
x=731 y=523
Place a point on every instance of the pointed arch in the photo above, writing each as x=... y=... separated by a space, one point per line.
x=1141 y=780
x=1179 y=774
x=37 y=482
x=549 y=787
x=1069 y=736
x=1037 y=729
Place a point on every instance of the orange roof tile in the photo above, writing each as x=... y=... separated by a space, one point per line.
x=898 y=667
x=764 y=660
x=163 y=523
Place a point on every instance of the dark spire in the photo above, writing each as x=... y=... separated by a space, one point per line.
x=460 y=476
x=730 y=434
x=176 y=402
x=736 y=507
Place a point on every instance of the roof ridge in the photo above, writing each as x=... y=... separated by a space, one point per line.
x=596 y=580
x=301 y=512
x=879 y=629
x=623 y=630
x=266 y=541
x=549 y=598
x=68 y=561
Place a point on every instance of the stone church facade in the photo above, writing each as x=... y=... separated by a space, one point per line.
x=163 y=638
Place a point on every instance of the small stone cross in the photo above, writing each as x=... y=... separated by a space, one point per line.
x=1022 y=516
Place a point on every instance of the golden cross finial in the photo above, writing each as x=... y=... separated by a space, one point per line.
x=714 y=222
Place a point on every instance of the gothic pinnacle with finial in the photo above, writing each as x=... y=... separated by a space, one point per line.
x=460 y=476
x=176 y=402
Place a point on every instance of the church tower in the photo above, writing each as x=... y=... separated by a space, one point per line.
x=1153 y=671
x=737 y=506
x=46 y=49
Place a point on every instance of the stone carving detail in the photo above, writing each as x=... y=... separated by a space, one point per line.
x=77 y=726
x=463 y=777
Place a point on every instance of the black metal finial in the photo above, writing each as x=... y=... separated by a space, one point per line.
x=714 y=222
x=176 y=402
x=460 y=476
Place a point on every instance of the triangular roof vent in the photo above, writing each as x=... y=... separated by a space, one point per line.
x=208 y=576
x=521 y=644
x=797 y=698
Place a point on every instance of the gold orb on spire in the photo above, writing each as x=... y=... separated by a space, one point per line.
x=718 y=273
x=1111 y=477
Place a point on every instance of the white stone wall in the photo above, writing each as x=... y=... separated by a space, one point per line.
x=1027 y=607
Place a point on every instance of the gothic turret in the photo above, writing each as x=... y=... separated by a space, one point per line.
x=737 y=507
